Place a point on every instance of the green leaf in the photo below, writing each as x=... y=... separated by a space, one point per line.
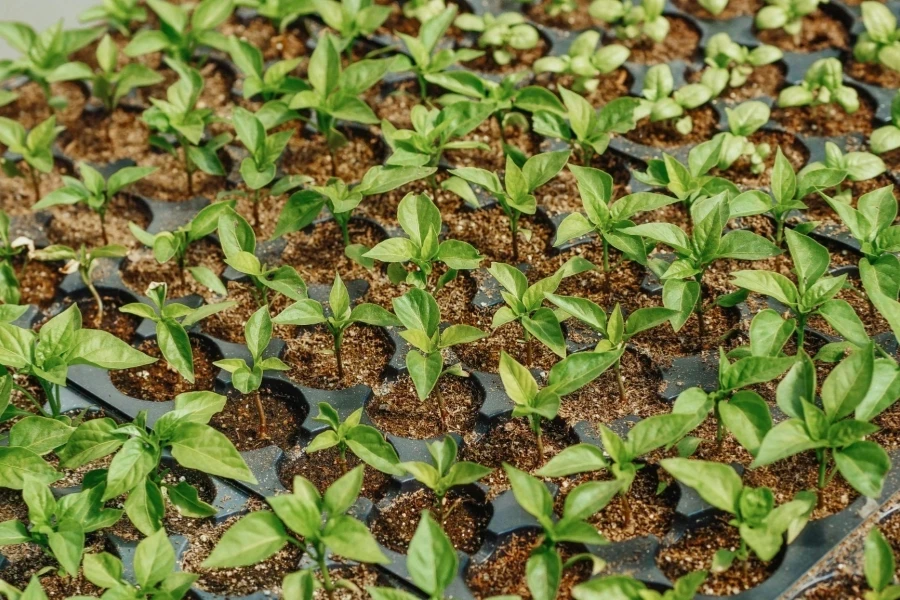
x=785 y=439
x=347 y=537
x=341 y=494
x=129 y=467
x=580 y=458
x=543 y=572
x=424 y=370
x=716 y=483
x=154 y=559
x=431 y=558
x=531 y=494
x=199 y=446
x=542 y=324
x=251 y=540
x=518 y=382
x=879 y=560
x=864 y=465
x=185 y=498
x=747 y=416
x=18 y=465
x=39 y=434
x=847 y=384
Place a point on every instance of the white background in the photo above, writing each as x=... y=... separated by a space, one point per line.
x=40 y=14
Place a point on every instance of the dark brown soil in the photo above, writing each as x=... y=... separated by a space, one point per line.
x=17 y=193
x=119 y=324
x=465 y=520
x=38 y=282
x=484 y=354
x=365 y=352
x=826 y=120
x=140 y=269
x=494 y=159
x=159 y=381
x=325 y=467
x=874 y=73
x=240 y=420
x=31 y=107
x=521 y=59
x=764 y=81
x=820 y=30
x=395 y=101
x=308 y=155
x=228 y=325
x=318 y=254
x=262 y=34
x=576 y=20
x=663 y=133
x=680 y=43
x=76 y=224
x=734 y=8
x=216 y=94
x=740 y=171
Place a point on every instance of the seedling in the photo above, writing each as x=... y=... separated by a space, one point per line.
x=247 y=378
x=524 y=304
x=94 y=191
x=633 y=20
x=431 y=561
x=171 y=321
x=544 y=569
x=239 y=245
x=311 y=312
x=502 y=34
x=179 y=117
x=305 y=206
x=42 y=53
x=743 y=121
x=444 y=473
x=859 y=386
x=625 y=587
x=424 y=58
x=730 y=64
x=880 y=43
x=108 y=84
x=616 y=330
x=588 y=131
x=33 y=591
x=58 y=527
x=813 y=292
x=168 y=245
x=9 y=249
x=282 y=13
x=858 y=166
x=683 y=277
x=268 y=82
x=690 y=182
x=585 y=61
x=61 y=343
x=887 y=138
x=786 y=14
x=764 y=528
x=351 y=19
x=606 y=218
x=314 y=523
x=154 y=568
x=116 y=14
x=185 y=29
x=822 y=84
x=364 y=441
x=879 y=567
x=434 y=131
x=425 y=10
x=335 y=91
x=421 y=221
x=516 y=194
x=35 y=146
x=662 y=102
x=136 y=468
x=624 y=455
x=418 y=312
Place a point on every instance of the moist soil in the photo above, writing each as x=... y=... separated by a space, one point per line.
x=38 y=281
x=260 y=33
x=76 y=224
x=680 y=43
x=160 y=382
x=465 y=520
x=394 y=101
x=228 y=324
x=493 y=159
x=318 y=253
x=28 y=559
x=17 y=193
x=663 y=133
x=121 y=325
x=324 y=467
x=763 y=81
x=308 y=154
x=240 y=419
x=827 y=120
x=395 y=408
x=820 y=30
x=140 y=269
x=695 y=550
x=31 y=107
x=576 y=20
x=504 y=571
x=874 y=73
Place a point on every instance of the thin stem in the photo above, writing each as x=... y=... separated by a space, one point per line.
x=801 y=331
x=606 y=272
x=822 y=455
x=514 y=229
x=30 y=397
x=529 y=353
x=499 y=120
x=327 y=583
x=779 y=232
x=538 y=436
x=620 y=380
x=35 y=182
x=720 y=427
x=337 y=357
x=187 y=169
x=256 y=208
x=102 y=214
x=423 y=87
x=626 y=510
x=345 y=466
x=439 y=509
x=439 y=396
x=333 y=162
x=698 y=310
x=86 y=278
x=262 y=430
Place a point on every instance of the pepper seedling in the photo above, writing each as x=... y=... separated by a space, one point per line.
x=625 y=587
x=823 y=83
x=730 y=64
x=269 y=82
x=364 y=441
x=764 y=528
x=282 y=13
x=307 y=311
x=420 y=219
x=171 y=320
x=502 y=34
x=662 y=102
x=419 y=314
x=880 y=43
x=524 y=304
x=247 y=378
x=116 y=14
x=858 y=166
x=633 y=19
x=690 y=182
x=424 y=10
x=743 y=121
x=879 y=567
x=315 y=523
x=184 y=30
x=10 y=293
x=35 y=147
x=516 y=194
x=585 y=61
x=887 y=137
x=351 y=19
x=94 y=191
x=786 y=14
x=444 y=473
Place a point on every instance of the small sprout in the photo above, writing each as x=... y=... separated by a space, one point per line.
x=116 y=14
x=351 y=19
x=525 y=304
x=730 y=64
x=136 y=469
x=282 y=13
x=503 y=34
x=516 y=194
x=179 y=117
x=364 y=441
x=585 y=61
x=823 y=83
x=84 y=262
x=425 y=10
x=310 y=312
x=315 y=523
x=94 y=191
x=743 y=121
x=689 y=183
x=879 y=567
x=9 y=249
x=420 y=219
x=887 y=137
x=444 y=473
x=588 y=131
x=269 y=82
x=858 y=166
x=248 y=378
x=170 y=321
x=35 y=146
x=419 y=314
x=764 y=528
x=633 y=20
x=185 y=29
x=625 y=587
x=168 y=245
x=434 y=131
x=786 y=14
x=880 y=43
x=662 y=102
x=107 y=84
x=872 y=223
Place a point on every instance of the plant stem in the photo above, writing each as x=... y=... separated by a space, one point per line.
x=423 y=87
x=620 y=380
x=102 y=215
x=30 y=397
x=337 y=357
x=539 y=440
x=779 y=232
x=333 y=162
x=86 y=278
x=439 y=396
x=801 y=331
x=514 y=229
x=698 y=310
x=720 y=427
x=256 y=208
x=327 y=584
x=626 y=510
x=262 y=430
x=439 y=509
x=499 y=120
x=822 y=455
x=606 y=272
x=529 y=358
x=345 y=467
x=35 y=183
x=187 y=170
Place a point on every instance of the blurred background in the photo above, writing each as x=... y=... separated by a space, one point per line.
x=40 y=14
